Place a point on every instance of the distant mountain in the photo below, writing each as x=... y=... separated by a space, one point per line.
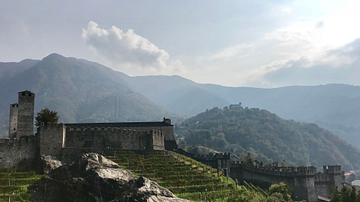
x=93 y=92
x=9 y=69
x=268 y=138
x=176 y=93
x=81 y=91
x=333 y=106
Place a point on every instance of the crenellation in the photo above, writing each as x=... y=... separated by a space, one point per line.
x=332 y=169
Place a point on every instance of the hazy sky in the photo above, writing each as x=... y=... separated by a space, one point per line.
x=234 y=43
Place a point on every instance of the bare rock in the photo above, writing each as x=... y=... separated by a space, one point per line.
x=49 y=164
x=94 y=178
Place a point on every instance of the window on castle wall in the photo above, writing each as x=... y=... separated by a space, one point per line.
x=23 y=94
x=29 y=94
x=14 y=129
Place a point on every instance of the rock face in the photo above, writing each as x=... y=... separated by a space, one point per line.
x=49 y=163
x=94 y=178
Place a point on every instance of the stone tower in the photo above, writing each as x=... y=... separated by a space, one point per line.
x=25 y=120
x=13 y=120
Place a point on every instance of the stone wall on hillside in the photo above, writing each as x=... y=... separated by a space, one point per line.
x=68 y=142
x=304 y=181
x=12 y=152
x=52 y=138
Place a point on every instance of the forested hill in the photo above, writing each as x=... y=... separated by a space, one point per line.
x=79 y=90
x=268 y=138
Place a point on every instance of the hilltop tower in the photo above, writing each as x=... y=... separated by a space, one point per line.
x=13 y=120
x=25 y=118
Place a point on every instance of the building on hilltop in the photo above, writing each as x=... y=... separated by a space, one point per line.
x=235 y=106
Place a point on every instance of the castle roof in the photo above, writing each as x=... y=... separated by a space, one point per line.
x=119 y=124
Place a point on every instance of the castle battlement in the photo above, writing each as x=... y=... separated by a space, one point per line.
x=278 y=171
x=222 y=155
x=322 y=177
x=50 y=127
x=332 y=169
x=79 y=130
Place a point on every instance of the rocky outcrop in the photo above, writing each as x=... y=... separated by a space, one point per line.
x=95 y=178
x=49 y=163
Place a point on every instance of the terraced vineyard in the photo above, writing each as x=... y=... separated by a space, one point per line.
x=13 y=185
x=184 y=176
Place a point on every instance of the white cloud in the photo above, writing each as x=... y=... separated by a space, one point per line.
x=287 y=10
x=319 y=43
x=132 y=53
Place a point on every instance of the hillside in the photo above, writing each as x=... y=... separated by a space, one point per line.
x=268 y=138
x=84 y=91
x=80 y=91
x=333 y=106
x=176 y=93
x=9 y=69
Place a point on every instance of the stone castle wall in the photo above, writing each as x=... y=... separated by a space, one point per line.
x=52 y=139
x=158 y=140
x=12 y=152
x=59 y=140
x=167 y=129
x=305 y=182
x=113 y=138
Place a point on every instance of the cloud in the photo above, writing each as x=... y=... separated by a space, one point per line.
x=340 y=65
x=304 y=53
x=320 y=24
x=128 y=49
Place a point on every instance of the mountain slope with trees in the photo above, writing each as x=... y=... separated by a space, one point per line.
x=268 y=138
x=86 y=91
x=80 y=91
x=333 y=106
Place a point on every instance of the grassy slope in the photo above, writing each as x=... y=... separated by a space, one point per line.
x=14 y=185
x=184 y=176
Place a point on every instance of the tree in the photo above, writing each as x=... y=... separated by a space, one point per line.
x=46 y=116
x=335 y=195
x=281 y=188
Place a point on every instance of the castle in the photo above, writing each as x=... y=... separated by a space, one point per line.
x=70 y=140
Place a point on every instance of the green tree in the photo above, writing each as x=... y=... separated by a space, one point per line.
x=335 y=195
x=281 y=188
x=347 y=194
x=46 y=116
x=275 y=197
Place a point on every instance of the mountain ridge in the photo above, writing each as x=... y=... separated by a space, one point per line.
x=80 y=91
x=333 y=106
